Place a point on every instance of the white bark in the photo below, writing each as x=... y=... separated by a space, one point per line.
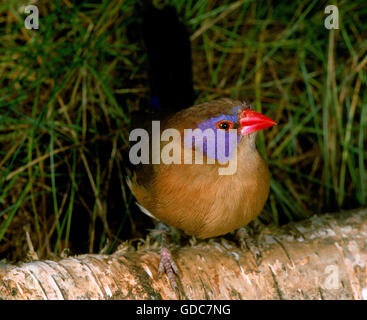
x=322 y=258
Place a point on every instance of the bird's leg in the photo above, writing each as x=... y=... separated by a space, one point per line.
x=246 y=241
x=166 y=262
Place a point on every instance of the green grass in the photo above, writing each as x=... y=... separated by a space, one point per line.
x=67 y=90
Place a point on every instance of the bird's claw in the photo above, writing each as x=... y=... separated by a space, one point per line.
x=248 y=243
x=169 y=266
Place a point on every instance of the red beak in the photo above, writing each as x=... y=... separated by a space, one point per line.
x=252 y=121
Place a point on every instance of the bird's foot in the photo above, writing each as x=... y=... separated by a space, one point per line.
x=247 y=242
x=168 y=265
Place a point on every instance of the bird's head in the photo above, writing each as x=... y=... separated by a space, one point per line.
x=225 y=117
x=241 y=118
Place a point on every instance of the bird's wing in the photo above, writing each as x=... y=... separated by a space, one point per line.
x=132 y=189
x=146 y=211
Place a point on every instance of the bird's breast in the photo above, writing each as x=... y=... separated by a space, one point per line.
x=195 y=199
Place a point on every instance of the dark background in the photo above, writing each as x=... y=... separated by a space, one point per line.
x=69 y=89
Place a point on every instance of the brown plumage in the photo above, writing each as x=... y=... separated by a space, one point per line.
x=194 y=197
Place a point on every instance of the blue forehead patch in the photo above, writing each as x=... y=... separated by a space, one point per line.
x=224 y=145
x=210 y=123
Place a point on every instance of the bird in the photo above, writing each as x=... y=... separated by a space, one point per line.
x=194 y=197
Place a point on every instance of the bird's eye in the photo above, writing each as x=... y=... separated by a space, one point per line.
x=224 y=125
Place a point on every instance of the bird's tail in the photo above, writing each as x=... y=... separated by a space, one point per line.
x=169 y=59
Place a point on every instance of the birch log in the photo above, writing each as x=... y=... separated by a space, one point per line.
x=324 y=257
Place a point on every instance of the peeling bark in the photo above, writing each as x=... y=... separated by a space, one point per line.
x=324 y=257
